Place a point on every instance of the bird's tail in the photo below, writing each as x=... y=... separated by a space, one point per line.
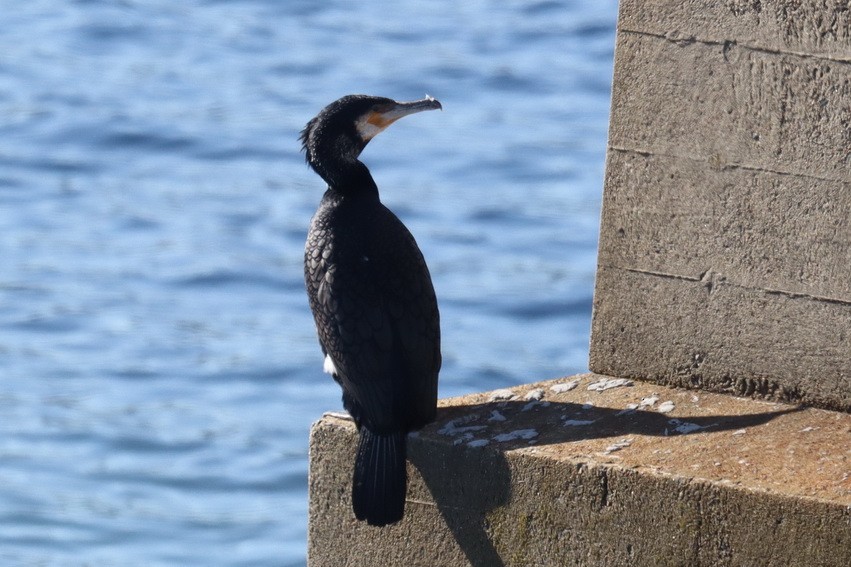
x=380 y=479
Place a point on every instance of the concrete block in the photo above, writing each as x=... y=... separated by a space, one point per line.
x=725 y=235
x=591 y=470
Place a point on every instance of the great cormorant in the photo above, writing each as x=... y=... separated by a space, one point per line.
x=372 y=300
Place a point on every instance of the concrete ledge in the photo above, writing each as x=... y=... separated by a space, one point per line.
x=592 y=470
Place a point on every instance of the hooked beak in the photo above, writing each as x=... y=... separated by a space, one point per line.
x=376 y=120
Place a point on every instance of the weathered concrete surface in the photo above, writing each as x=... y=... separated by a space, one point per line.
x=706 y=332
x=759 y=229
x=815 y=29
x=732 y=106
x=726 y=233
x=636 y=474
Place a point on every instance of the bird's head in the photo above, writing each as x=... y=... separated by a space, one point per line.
x=333 y=140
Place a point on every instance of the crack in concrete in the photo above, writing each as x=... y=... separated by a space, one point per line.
x=725 y=282
x=727 y=166
x=725 y=44
x=780 y=172
x=653 y=273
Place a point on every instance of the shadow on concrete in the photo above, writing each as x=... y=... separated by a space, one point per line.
x=465 y=498
x=469 y=482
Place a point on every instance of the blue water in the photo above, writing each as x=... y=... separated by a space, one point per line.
x=159 y=370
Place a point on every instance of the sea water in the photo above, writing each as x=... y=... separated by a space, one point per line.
x=159 y=370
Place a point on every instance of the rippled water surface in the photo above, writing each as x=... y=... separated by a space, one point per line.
x=158 y=365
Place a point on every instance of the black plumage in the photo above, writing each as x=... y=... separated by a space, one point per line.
x=372 y=300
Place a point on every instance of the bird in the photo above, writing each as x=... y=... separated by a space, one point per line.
x=372 y=299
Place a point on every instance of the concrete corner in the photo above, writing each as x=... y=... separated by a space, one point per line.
x=593 y=470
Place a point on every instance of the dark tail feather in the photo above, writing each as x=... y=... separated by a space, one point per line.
x=380 y=479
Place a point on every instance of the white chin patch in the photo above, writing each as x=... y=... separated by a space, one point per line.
x=328 y=366
x=367 y=129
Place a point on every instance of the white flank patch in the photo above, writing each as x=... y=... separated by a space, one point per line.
x=328 y=366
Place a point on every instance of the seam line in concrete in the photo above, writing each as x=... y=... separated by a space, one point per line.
x=728 y=166
x=686 y=40
x=789 y=294
x=653 y=273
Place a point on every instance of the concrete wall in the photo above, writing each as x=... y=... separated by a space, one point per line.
x=725 y=247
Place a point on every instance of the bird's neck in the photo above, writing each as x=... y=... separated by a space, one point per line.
x=350 y=178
